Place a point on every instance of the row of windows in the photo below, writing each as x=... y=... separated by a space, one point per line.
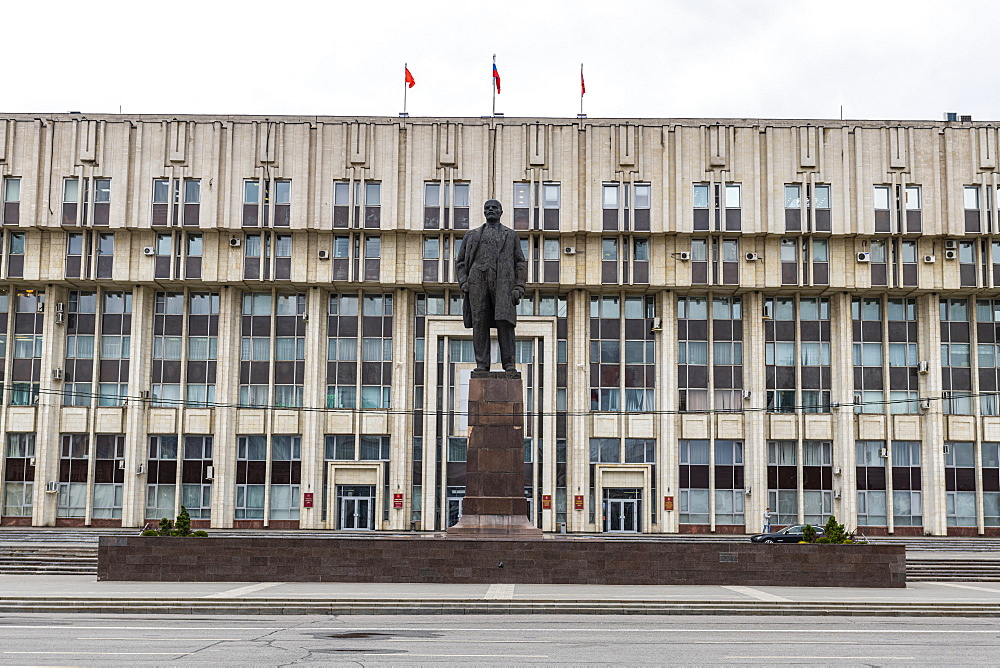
x=183 y=196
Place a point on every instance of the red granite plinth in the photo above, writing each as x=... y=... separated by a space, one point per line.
x=494 y=502
x=472 y=560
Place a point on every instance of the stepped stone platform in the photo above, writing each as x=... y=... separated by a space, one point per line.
x=458 y=560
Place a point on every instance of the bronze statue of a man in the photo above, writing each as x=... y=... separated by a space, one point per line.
x=491 y=271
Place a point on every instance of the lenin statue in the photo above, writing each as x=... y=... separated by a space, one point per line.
x=491 y=271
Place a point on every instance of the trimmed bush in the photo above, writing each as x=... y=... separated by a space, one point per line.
x=180 y=528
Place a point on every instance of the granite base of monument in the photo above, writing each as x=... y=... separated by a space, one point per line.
x=552 y=560
x=494 y=503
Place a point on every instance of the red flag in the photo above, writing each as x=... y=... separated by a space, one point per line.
x=496 y=77
x=409 y=81
x=583 y=86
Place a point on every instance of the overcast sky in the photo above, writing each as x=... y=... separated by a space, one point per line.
x=880 y=59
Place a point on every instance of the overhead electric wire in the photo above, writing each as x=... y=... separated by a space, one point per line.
x=14 y=386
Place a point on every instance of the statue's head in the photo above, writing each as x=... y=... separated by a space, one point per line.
x=492 y=210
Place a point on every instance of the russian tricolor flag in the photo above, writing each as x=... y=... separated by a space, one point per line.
x=496 y=77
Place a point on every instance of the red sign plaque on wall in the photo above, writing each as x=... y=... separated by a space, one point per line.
x=578 y=502
x=397 y=500
x=668 y=503
x=546 y=502
x=307 y=500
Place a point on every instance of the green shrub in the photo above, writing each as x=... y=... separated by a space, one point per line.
x=823 y=539
x=808 y=534
x=835 y=531
x=181 y=527
x=166 y=526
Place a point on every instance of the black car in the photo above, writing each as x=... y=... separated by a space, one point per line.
x=792 y=534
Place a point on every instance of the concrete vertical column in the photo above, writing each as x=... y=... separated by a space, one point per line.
x=578 y=398
x=227 y=384
x=755 y=425
x=842 y=376
x=313 y=422
x=47 y=447
x=933 y=496
x=136 y=438
x=666 y=401
x=401 y=422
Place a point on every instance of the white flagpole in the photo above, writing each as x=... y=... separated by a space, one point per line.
x=406 y=85
x=493 y=84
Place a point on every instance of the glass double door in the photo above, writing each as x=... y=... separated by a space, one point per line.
x=622 y=510
x=356 y=507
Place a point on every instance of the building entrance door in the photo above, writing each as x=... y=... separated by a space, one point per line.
x=356 y=507
x=455 y=497
x=622 y=510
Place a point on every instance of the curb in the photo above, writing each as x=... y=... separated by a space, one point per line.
x=479 y=607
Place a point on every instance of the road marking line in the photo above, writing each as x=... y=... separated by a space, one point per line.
x=673 y=641
x=72 y=653
x=959 y=586
x=812 y=657
x=171 y=638
x=462 y=656
x=673 y=629
x=500 y=592
x=756 y=593
x=239 y=591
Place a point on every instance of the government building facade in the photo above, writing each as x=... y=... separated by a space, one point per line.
x=257 y=318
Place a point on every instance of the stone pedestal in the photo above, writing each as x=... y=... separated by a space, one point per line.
x=494 y=503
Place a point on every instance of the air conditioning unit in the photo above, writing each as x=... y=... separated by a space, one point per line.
x=60 y=318
x=121 y=465
x=657 y=325
x=923 y=366
x=752 y=257
x=683 y=255
x=951 y=244
x=946 y=449
x=569 y=250
x=951 y=255
x=864 y=256
x=40 y=308
x=234 y=242
x=836 y=494
x=884 y=453
x=60 y=307
x=836 y=470
x=766 y=314
x=929 y=259
x=149 y=250
x=51 y=487
x=925 y=404
x=140 y=469
x=323 y=254
x=144 y=394
x=57 y=374
x=209 y=473
x=31 y=462
x=746 y=394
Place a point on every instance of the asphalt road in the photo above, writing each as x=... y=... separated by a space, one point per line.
x=75 y=639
